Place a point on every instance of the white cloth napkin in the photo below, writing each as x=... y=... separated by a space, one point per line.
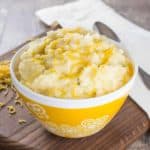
x=85 y=13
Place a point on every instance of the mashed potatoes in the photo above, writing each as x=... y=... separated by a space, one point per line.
x=73 y=63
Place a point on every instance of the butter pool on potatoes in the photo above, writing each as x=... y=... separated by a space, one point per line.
x=74 y=63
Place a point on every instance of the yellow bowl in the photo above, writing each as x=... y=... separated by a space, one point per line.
x=71 y=118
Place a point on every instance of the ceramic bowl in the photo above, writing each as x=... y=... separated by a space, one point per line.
x=67 y=117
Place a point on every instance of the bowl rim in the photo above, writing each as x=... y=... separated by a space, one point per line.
x=68 y=102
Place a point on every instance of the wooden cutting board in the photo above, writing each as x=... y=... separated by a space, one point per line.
x=128 y=125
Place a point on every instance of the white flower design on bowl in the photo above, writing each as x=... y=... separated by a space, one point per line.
x=87 y=127
x=38 y=110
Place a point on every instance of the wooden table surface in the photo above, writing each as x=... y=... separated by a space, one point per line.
x=18 y=23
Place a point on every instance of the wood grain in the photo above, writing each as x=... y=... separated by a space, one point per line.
x=20 y=23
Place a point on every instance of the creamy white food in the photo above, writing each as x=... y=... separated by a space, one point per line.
x=74 y=63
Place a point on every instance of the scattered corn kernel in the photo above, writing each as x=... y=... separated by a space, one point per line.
x=5 y=80
x=22 y=121
x=2 y=104
x=18 y=102
x=11 y=109
x=17 y=96
x=13 y=88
